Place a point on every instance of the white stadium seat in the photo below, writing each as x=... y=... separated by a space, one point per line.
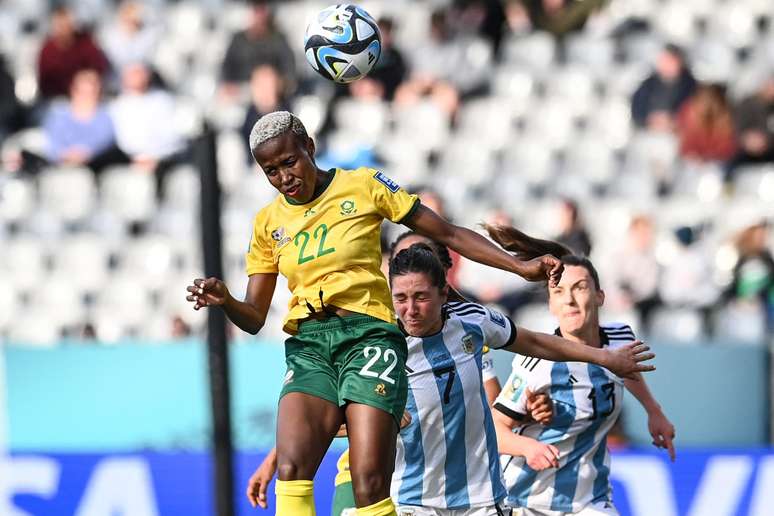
x=83 y=258
x=68 y=192
x=128 y=193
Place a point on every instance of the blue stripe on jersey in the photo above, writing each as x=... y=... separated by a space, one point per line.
x=601 y=486
x=566 y=480
x=410 y=491
x=495 y=474
x=438 y=356
x=564 y=416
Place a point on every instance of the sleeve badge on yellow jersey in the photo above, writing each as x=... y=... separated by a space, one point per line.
x=386 y=181
x=279 y=236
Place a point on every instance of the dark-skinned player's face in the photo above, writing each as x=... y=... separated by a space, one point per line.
x=288 y=162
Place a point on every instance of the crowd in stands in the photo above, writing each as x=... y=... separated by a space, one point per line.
x=597 y=101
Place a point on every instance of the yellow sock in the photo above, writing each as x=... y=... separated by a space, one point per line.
x=383 y=508
x=295 y=498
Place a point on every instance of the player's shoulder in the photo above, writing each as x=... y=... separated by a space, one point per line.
x=475 y=313
x=372 y=177
x=618 y=332
x=268 y=211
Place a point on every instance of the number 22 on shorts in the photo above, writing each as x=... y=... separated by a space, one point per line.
x=373 y=354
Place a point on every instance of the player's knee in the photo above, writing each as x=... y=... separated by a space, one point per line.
x=290 y=469
x=370 y=486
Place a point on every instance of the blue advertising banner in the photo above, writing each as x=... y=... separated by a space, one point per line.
x=700 y=483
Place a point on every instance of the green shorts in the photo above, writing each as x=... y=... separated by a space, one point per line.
x=356 y=358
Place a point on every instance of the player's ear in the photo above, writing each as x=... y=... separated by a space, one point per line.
x=310 y=147
x=600 y=297
x=445 y=293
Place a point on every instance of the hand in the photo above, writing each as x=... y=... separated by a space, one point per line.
x=662 y=431
x=625 y=361
x=207 y=292
x=405 y=420
x=539 y=407
x=543 y=267
x=75 y=156
x=541 y=456
x=259 y=482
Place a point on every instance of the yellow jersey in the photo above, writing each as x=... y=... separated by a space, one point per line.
x=329 y=248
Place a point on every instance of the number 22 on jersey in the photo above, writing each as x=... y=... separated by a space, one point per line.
x=318 y=236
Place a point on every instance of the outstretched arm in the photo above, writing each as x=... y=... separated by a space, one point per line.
x=624 y=361
x=539 y=455
x=661 y=429
x=475 y=247
x=250 y=314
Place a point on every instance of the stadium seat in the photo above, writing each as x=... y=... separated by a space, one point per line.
x=611 y=122
x=60 y=300
x=69 y=193
x=677 y=325
x=182 y=185
x=676 y=22
x=128 y=193
x=366 y=119
x=574 y=86
x=742 y=322
x=538 y=318
x=126 y=299
x=551 y=121
x=713 y=61
x=528 y=160
x=536 y=51
x=425 y=123
x=593 y=53
x=10 y=307
x=84 y=258
x=232 y=160
x=515 y=84
x=23 y=260
x=35 y=327
x=18 y=199
x=150 y=259
x=735 y=24
x=755 y=181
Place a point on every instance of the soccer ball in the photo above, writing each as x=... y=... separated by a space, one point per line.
x=342 y=43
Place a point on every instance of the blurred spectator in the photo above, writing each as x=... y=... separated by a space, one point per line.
x=754 y=119
x=686 y=281
x=572 y=231
x=261 y=43
x=144 y=122
x=753 y=279
x=436 y=67
x=658 y=99
x=66 y=51
x=129 y=38
x=560 y=17
x=180 y=329
x=705 y=126
x=268 y=93
x=517 y=18
x=10 y=108
x=81 y=132
x=483 y=17
x=635 y=273
x=390 y=69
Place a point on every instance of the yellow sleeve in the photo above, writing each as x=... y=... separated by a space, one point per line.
x=391 y=201
x=260 y=256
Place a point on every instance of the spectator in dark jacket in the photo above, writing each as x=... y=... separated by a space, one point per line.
x=572 y=232
x=261 y=43
x=267 y=94
x=65 y=52
x=658 y=99
x=10 y=108
x=389 y=71
x=754 y=119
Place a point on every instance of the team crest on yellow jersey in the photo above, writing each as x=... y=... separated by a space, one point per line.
x=348 y=208
x=467 y=344
x=380 y=390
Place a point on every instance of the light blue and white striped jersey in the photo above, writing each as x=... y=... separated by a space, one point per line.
x=447 y=457
x=587 y=401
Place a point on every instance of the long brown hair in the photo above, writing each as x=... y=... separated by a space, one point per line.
x=525 y=247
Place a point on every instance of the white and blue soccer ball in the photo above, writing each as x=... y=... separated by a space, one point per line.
x=342 y=43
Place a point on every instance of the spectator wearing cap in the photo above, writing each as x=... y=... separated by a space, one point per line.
x=65 y=52
x=658 y=99
x=261 y=43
